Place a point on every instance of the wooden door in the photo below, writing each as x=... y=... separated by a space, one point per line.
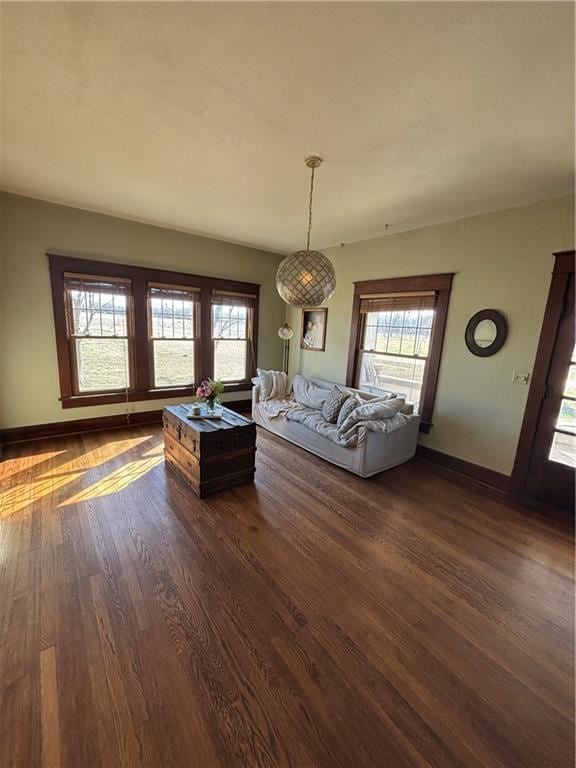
x=551 y=473
x=550 y=457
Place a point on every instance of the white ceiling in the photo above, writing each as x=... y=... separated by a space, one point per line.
x=198 y=116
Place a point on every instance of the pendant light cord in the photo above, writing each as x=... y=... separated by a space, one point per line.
x=310 y=208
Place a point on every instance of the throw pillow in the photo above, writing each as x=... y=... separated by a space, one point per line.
x=332 y=405
x=349 y=405
x=273 y=384
x=266 y=383
x=308 y=394
x=279 y=390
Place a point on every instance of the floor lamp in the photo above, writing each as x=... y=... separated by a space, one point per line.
x=285 y=333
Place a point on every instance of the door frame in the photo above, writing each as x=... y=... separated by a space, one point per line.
x=563 y=268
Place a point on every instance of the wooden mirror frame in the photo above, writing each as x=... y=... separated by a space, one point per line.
x=501 y=332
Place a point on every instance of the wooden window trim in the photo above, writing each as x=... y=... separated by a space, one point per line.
x=140 y=277
x=441 y=284
x=72 y=353
x=195 y=292
x=251 y=328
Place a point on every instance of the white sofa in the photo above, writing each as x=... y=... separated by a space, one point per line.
x=379 y=451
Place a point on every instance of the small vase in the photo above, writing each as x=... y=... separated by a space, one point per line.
x=211 y=403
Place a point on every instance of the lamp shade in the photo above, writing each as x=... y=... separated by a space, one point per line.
x=285 y=332
x=306 y=279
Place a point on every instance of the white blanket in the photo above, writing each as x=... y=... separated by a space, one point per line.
x=372 y=416
x=275 y=407
x=376 y=416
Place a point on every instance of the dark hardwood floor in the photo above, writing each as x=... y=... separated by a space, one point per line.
x=310 y=619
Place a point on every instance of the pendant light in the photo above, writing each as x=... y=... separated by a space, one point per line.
x=306 y=278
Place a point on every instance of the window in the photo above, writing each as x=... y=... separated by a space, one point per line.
x=231 y=336
x=172 y=322
x=397 y=330
x=130 y=333
x=98 y=333
x=395 y=343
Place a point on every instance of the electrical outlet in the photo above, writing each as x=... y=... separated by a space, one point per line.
x=520 y=377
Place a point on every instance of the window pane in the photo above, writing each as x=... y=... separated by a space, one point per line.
x=411 y=318
x=386 y=373
x=408 y=344
x=376 y=333
x=369 y=336
x=394 y=340
x=423 y=342
x=563 y=449
x=98 y=313
x=229 y=321
x=173 y=363
x=426 y=318
x=230 y=360
x=570 y=387
x=567 y=416
x=189 y=326
x=172 y=318
x=102 y=364
x=399 y=332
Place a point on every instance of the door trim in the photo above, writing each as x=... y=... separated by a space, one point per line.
x=563 y=268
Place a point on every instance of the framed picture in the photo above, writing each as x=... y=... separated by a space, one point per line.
x=313 y=335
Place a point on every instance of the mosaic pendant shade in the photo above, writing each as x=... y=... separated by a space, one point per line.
x=306 y=278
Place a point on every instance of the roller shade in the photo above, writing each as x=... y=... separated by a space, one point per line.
x=88 y=284
x=233 y=299
x=399 y=302
x=173 y=292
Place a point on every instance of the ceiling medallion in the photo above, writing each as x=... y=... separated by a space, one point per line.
x=306 y=278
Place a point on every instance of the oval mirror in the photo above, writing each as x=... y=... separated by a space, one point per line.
x=486 y=332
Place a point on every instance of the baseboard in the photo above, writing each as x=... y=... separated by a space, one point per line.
x=488 y=477
x=98 y=423
x=77 y=426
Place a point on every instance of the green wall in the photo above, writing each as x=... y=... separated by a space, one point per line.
x=29 y=385
x=502 y=261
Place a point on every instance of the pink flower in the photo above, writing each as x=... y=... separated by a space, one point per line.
x=205 y=389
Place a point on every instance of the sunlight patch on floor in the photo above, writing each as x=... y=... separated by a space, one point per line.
x=117 y=481
x=20 y=496
x=11 y=467
x=97 y=456
x=156 y=450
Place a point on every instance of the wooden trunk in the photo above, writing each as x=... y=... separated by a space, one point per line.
x=210 y=455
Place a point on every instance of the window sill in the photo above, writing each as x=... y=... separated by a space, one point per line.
x=106 y=398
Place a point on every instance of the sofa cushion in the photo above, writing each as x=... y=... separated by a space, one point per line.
x=308 y=394
x=350 y=404
x=333 y=403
